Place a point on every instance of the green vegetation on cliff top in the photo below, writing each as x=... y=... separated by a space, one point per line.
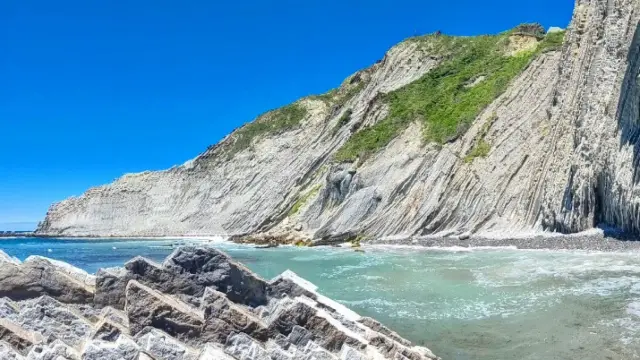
x=339 y=96
x=273 y=122
x=446 y=100
x=287 y=118
x=476 y=70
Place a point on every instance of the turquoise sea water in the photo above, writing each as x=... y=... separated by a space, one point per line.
x=463 y=304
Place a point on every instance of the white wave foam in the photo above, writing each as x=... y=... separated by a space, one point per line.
x=524 y=269
x=372 y=277
x=633 y=308
x=455 y=249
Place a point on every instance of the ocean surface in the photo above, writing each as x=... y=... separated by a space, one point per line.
x=463 y=304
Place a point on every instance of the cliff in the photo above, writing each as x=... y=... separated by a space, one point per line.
x=517 y=132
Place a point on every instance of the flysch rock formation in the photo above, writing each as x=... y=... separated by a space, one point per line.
x=197 y=305
x=563 y=157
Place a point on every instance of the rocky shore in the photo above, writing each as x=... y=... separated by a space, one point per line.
x=594 y=240
x=597 y=239
x=198 y=304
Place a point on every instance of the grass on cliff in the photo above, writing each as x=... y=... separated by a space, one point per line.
x=447 y=99
x=344 y=120
x=482 y=147
x=338 y=97
x=552 y=41
x=271 y=123
x=302 y=200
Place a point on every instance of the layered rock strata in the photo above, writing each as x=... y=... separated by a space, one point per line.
x=557 y=151
x=197 y=305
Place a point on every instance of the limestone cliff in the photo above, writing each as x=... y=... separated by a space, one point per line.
x=516 y=132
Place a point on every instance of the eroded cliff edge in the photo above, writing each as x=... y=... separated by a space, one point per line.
x=411 y=146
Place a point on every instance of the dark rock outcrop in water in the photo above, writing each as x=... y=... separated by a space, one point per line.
x=197 y=305
x=556 y=149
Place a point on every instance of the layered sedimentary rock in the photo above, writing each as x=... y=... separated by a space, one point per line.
x=197 y=305
x=556 y=151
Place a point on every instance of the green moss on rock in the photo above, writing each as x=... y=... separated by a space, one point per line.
x=552 y=41
x=302 y=200
x=481 y=149
x=344 y=120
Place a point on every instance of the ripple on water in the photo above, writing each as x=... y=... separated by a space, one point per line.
x=628 y=326
x=463 y=303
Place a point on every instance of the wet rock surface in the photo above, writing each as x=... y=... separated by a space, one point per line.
x=198 y=304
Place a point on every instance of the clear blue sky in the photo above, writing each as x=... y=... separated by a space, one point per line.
x=94 y=89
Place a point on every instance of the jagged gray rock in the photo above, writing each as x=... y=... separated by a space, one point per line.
x=187 y=272
x=291 y=320
x=19 y=339
x=212 y=352
x=224 y=318
x=7 y=352
x=107 y=330
x=243 y=347
x=121 y=348
x=54 y=351
x=162 y=346
x=149 y=308
x=54 y=320
x=40 y=276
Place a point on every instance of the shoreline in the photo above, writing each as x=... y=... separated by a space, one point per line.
x=69 y=237
x=580 y=241
x=592 y=240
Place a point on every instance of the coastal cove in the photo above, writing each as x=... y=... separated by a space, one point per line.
x=492 y=303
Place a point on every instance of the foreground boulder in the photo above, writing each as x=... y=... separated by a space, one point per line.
x=186 y=273
x=41 y=276
x=198 y=304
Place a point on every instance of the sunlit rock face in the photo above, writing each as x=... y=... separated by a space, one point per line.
x=197 y=304
x=555 y=151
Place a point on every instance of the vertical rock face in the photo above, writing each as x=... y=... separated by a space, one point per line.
x=555 y=151
x=163 y=319
x=591 y=173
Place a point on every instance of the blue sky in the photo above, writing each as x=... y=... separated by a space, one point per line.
x=94 y=89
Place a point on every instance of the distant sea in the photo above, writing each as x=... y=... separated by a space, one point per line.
x=462 y=303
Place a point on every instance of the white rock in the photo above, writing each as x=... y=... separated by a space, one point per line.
x=162 y=346
x=243 y=347
x=4 y=257
x=213 y=352
x=57 y=350
x=8 y=353
x=123 y=349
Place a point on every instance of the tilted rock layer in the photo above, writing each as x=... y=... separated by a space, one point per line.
x=197 y=305
x=556 y=151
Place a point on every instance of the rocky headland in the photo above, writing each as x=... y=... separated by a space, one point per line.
x=526 y=131
x=198 y=304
